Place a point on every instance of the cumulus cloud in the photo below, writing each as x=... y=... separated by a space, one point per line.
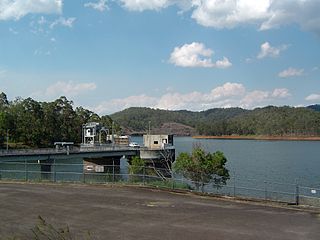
x=100 y=5
x=259 y=98
x=122 y=103
x=226 y=95
x=229 y=13
x=281 y=93
x=291 y=72
x=302 y=12
x=141 y=5
x=266 y=50
x=68 y=89
x=196 y=55
x=313 y=97
x=265 y=14
x=61 y=21
x=16 y=9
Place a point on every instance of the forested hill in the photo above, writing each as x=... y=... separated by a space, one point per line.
x=315 y=107
x=269 y=121
x=29 y=123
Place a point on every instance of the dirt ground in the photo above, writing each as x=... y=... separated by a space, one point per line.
x=116 y=212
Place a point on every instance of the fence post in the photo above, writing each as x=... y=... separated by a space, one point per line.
x=234 y=184
x=113 y=177
x=84 y=174
x=265 y=191
x=172 y=179
x=26 y=170
x=297 y=192
x=144 y=175
x=54 y=171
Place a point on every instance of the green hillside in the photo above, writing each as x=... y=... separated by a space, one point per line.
x=270 y=121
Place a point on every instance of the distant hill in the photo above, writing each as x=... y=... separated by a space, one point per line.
x=271 y=121
x=315 y=107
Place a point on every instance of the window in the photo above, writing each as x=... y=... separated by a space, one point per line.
x=156 y=142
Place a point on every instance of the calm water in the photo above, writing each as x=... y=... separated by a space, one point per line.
x=276 y=161
x=248 y=160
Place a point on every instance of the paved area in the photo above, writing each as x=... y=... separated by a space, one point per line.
x=138 y=213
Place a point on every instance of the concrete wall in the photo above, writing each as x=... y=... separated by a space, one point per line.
x=157 y=141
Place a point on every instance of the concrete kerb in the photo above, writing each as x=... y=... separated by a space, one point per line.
x=189 y=193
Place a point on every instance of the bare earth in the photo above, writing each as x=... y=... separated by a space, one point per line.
x=137 y=213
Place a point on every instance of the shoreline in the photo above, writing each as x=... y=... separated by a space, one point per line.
x=271 y=138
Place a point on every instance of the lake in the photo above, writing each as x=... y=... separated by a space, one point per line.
x=259 y=160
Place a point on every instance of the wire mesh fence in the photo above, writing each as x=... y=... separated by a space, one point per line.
x=235 y=186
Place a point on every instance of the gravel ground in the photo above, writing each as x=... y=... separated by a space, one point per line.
x=116 y=212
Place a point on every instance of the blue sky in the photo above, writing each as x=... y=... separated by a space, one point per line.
x=107 y=55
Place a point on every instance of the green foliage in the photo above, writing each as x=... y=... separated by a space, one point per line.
x=170 y=184
x=268 y=121
x=137 y=165
x=45 y=231
x=40 y=124
x=202 y=167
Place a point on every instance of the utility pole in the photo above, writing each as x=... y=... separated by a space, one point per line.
x=149 y=134
x=112 y=134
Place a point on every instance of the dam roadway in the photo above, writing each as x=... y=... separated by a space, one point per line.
x=119 y=212
x=50 y=153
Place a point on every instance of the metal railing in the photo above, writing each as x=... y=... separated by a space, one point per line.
x=235 y=187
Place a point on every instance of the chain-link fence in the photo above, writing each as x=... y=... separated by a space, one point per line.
x=235 y=186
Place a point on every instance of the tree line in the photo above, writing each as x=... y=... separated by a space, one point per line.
x=268 y=121
x=39 y=124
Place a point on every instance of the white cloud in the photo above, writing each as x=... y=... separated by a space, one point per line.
x=100 y=5
x=61 y=21
x=302 y=12
x=254 y=98
x=226 y=90
x=196 y=55
x=16 y=9
x=280 y=93
x=313 y=97
x=229 y=13
x=291 y=72
x=266 y=50
x=258 y=98
x=141 y=5
x=68 y=89
x=265 y=14
x=227 y=95
x=122 y=103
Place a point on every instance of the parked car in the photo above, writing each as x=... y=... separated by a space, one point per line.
x=134 y=145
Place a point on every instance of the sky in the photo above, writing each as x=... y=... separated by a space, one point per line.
x=108 y=55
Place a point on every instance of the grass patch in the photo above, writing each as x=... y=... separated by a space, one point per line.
x=45 y=231
x=171 y=184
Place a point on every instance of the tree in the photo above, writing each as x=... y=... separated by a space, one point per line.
x=136 y=167
x=202 y=167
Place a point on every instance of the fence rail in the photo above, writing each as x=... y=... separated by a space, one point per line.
x=235 y=187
